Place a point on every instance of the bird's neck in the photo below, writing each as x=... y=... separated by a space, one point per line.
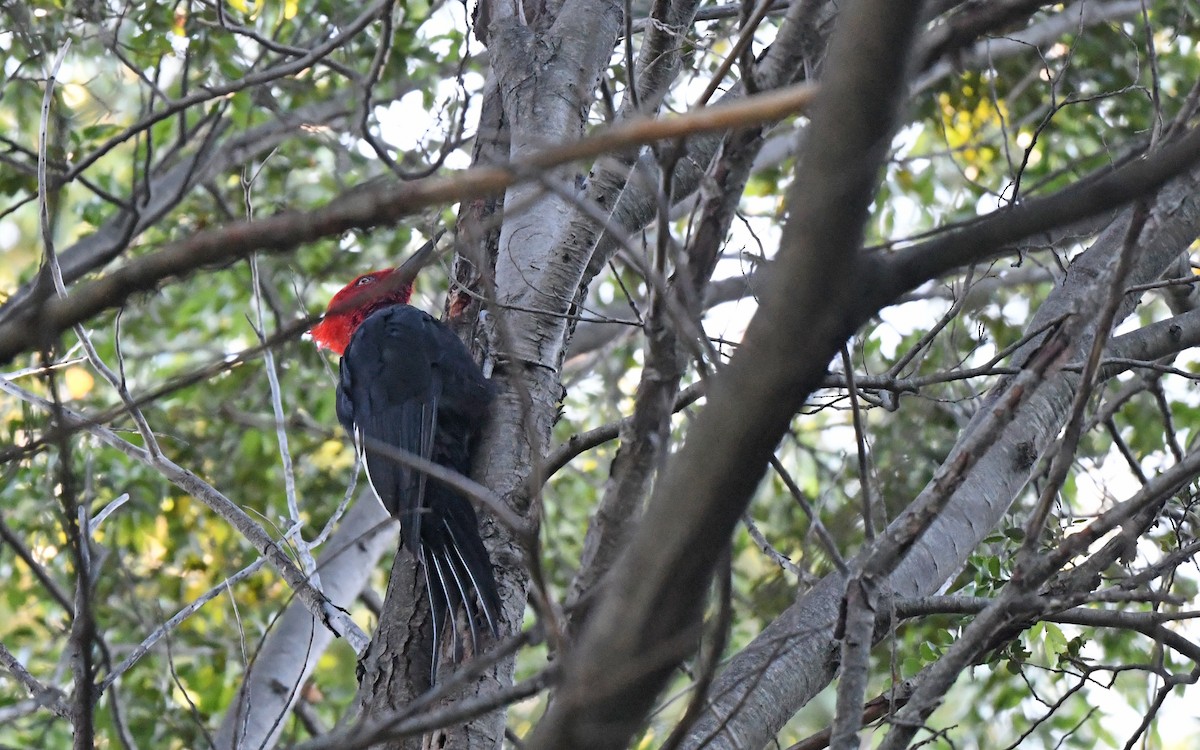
x=335 y=331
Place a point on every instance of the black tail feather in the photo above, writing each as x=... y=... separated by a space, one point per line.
x=450 y=600
x=438 y=608
x=478 y=571
x=466 y=596
x=458 y=575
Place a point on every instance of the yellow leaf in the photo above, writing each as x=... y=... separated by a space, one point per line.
x=79 y=382
x=194 y=586
x=239 y=5
x=289 y=9
x=332 y=455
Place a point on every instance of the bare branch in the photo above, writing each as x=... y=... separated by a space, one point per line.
x=375 y=206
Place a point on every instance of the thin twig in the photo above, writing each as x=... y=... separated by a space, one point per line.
x=860 y=439
x=162 y=630
x=51 y=698
x=814 y=519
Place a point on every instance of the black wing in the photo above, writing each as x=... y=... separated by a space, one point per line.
x=388 y=399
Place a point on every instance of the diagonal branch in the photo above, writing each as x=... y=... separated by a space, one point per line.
x=379 y=205
x=647 y=617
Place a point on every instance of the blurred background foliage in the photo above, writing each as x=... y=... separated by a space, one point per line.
x=1047 y=113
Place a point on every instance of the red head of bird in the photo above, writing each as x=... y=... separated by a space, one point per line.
x=351 y=306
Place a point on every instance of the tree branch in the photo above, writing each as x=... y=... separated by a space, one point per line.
x=622 y=659
x=378 y=205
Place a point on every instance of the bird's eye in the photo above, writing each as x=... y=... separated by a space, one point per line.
x=365 y=280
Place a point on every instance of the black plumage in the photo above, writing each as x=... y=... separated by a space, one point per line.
x=407 y=382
